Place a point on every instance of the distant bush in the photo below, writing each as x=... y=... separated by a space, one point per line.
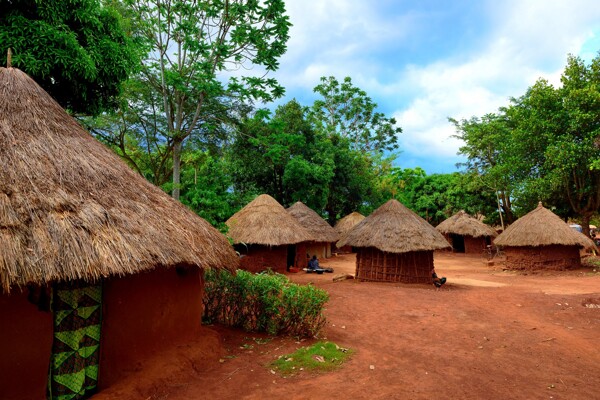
x=266 y=302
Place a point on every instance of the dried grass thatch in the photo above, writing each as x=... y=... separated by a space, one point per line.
x=264 y=221
x=345 y=224
x=463 y=224
x=71 y=209
x=541 y=227
x=318 y=228
x=393 y=228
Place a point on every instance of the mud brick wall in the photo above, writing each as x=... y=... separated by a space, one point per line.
x=552 y=258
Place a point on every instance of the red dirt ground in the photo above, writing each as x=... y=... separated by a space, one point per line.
x=487 y=334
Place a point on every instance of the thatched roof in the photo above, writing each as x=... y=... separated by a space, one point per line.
x=541 y=227
x=395 y=229
x=463 y=224
x=71 y=209
x=345 y=224
x=318 y=228
x=264 y=221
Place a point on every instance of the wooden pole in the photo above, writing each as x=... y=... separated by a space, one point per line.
x=9 y=58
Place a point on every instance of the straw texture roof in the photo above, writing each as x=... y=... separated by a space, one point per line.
x=264 y=221
x=345 y=224
x=318 y=228
x=393 y=228
x=463 y=224
x=71 y=209
x=541 y=227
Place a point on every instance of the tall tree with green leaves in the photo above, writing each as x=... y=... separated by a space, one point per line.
x=79 y=51
x=196 y=50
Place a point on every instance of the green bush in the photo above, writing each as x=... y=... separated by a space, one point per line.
x=266 y=302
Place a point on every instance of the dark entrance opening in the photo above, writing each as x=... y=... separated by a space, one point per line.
x=291 y=257
x=458 y=243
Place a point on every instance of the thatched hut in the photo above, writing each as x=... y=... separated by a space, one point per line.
x=540 y=240
x=322 y=234
x=466 y=234
x=394 y=245
x=98 y=268
x=345 y=225
x=266 y=236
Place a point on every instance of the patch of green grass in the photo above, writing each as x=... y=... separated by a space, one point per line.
x=320 y=357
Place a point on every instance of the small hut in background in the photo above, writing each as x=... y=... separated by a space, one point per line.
x=394 y=245
x=117 y=259
x=345 y=225
x=466 y=234
x=540 y=240
x=266 y=236
x=323 y=235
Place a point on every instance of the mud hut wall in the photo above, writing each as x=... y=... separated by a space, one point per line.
x=555 y=258
x=144 y=314
x=320 y=249
x=449 y=240
x=474 y=245
x=302 y=252
x=378 y=266
x=25 y=347
x=260 y=258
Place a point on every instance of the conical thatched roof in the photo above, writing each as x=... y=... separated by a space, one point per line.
x=265 y=221
x=395 y=229
x=541 y=227
x=345 y=224
x=318 y=228
x=463 y=224
x=71 y=209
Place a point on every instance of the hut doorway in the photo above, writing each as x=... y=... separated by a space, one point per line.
x=291 y=256
x=458 y=243
x=75 y=356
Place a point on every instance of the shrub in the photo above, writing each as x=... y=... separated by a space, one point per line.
x=266 y=302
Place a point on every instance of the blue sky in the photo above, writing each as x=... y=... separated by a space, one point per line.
x=424 y=61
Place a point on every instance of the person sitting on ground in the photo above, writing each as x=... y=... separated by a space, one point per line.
x=438 y=282
x=313 y=264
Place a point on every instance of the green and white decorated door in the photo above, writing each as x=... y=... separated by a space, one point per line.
x=77 y=308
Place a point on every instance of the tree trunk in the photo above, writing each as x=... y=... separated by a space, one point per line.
x=585 y=225
x=177 y=145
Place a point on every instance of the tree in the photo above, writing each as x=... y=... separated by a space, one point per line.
x=79 y=51
x=348 y=112
x=487 y=147
x=192 y=43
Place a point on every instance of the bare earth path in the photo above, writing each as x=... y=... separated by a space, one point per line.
x=487 y=334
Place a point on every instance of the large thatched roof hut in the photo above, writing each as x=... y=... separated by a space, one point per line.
x=322 y=234
x=394 y=245
x=266 y=235
x=540 y=240
x=345 y=225
x=118 y=259
x=466 y=234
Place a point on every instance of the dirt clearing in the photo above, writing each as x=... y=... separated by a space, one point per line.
x=486 y=334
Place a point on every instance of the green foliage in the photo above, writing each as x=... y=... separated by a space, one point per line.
x=263 y=302
x=79 y=51
x=320 y=357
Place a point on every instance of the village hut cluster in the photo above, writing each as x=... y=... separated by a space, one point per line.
x=98 y=267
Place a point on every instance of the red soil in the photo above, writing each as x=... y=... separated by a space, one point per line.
x=486 y=334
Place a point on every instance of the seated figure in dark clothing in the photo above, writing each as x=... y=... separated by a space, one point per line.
x=313 y=264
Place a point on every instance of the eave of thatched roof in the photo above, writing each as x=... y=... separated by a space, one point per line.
x=394 y=228
x=345 y=224
x=541 y=227
x=264 y=221
x=463 y=224
x=318 y=228
x=71 y=209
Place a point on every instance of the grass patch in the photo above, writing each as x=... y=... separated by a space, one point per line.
x=320 y=357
